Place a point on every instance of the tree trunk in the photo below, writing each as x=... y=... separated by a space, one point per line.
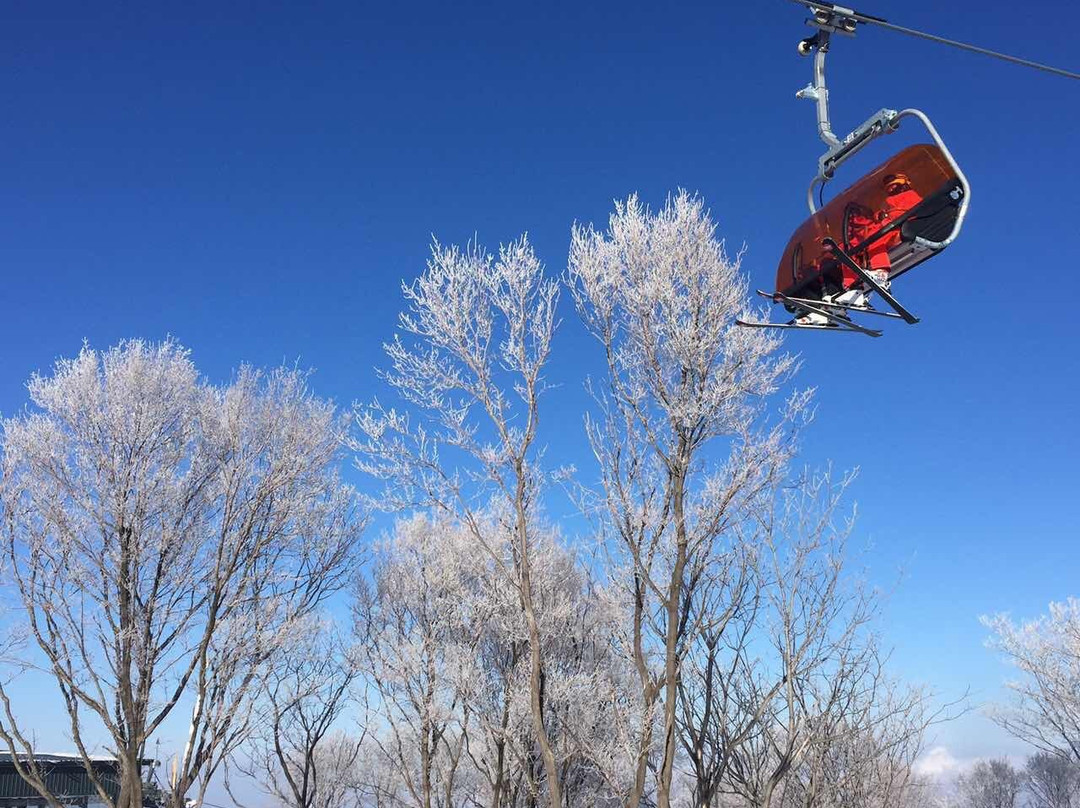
x=425 y=768
x=500 y=784
x=648 y=695
x=130 y=795
x=673 y=608
x=551 y=769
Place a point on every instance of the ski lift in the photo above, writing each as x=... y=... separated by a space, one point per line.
x=902 y=213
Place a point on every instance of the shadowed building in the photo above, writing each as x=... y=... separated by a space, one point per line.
x=65 y=776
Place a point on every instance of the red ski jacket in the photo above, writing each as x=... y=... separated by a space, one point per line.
x=897 y=205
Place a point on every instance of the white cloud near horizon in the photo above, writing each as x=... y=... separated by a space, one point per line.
x=938 y=763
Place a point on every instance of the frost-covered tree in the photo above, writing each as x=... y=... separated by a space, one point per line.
x=990 y=784
x=165 y=538
x=714 y=648
x=683 y=448
x=442 y=642
x=410 y=649
x=1052 y=781
x=1046 y=651
x=469 y=362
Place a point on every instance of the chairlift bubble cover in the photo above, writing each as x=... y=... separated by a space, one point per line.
x=808 y=268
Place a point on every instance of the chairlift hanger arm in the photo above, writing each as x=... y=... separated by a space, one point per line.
x=857 y=16
x=830 y=19
x=835 y=20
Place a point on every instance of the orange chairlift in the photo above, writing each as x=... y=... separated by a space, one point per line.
x=902 y=213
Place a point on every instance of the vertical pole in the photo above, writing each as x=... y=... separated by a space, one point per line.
x=822 y=92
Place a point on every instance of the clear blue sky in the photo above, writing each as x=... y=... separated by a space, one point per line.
x=257 y=179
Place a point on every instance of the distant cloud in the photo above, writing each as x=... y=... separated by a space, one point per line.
x=938 y=764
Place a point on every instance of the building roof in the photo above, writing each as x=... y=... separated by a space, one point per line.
x=59 y=757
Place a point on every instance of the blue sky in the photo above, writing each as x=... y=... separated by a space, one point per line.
x=257 y=179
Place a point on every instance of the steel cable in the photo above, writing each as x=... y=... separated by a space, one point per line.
x=859 y=17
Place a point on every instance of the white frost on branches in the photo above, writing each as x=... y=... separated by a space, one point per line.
x=165 y=536
x=1046 y=651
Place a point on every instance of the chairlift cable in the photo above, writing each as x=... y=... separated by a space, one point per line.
x=860 y=17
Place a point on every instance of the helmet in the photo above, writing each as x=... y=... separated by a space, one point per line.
x=896 y=182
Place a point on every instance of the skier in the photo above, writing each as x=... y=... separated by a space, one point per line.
x=900 y=197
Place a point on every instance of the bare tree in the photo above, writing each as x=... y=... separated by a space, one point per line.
x=1052 y=781
x=294 y=752
x=788 y=702
x=685 y=387
x=816 y=668
x=867 y=759
x=711 y=722
x=990 y=784
x=481 y=330
x=165 y=538
x=1046 y=711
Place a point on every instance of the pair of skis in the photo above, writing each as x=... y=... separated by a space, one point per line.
x=835 y=314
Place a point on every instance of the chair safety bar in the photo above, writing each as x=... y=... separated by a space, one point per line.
x=965 y=200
